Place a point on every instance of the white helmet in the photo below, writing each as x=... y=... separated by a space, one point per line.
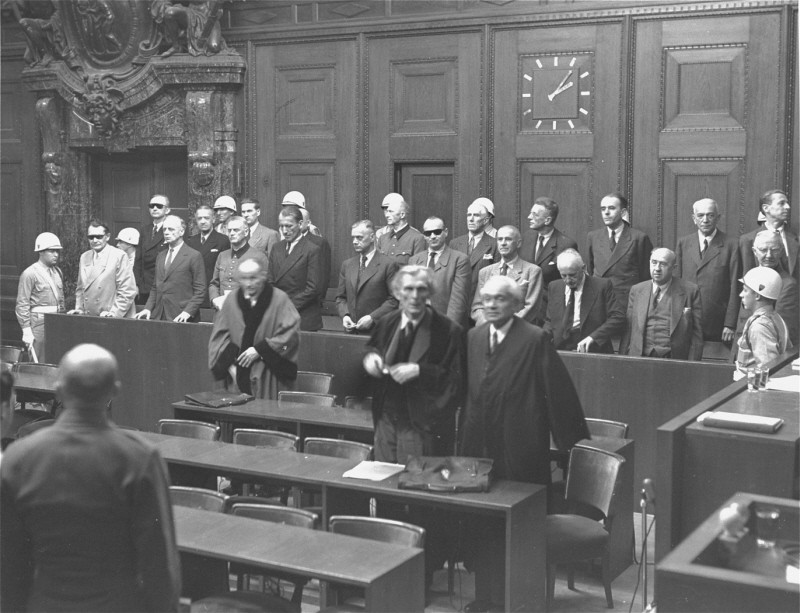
x=764 y=281
x=129 y=235
x=47 y=240
x=294 y=199
x=225 y=202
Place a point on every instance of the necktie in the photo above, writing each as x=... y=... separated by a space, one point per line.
x=705 y=247
x=202 y=239
x=569 y=311
x=155 y=231
x=168 y=261
x=504 y=269
x=404 y=344
x=288 y=248
x=363 y=263
x=613 y=242
x=493 y=342
x=471 y=246
x=656 y=297
x=539 y=247
x=432 y=260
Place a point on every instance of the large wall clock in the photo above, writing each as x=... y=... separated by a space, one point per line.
x=557 y=92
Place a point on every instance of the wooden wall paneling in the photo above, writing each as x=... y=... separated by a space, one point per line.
x=425 y=108
x=706 y=99
x=305 y=109
x=433 y=185
x=792 y=163
x=556 y=113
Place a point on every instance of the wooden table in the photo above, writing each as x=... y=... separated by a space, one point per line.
x=521 y=506
x=392 y=575
x=703 y=574
x=301 y=419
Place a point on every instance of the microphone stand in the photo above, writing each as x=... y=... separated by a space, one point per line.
x=646 y=606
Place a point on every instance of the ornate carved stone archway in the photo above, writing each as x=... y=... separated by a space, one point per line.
x=112 y=76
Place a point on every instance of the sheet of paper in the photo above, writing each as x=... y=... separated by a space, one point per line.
x=785 y=384
x=374 y=471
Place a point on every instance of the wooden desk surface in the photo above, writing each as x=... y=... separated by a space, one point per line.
x=262 y=410
x=392 y=575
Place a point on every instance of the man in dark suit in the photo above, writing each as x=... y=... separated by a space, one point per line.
x=415 y=357
x=365 y=282
x=86 y=521
x=479 y=246
x=151 y=243
x=709 y=259
x=451 y=272
x=543 y=242
x=664 y=315
x=583 y=313
x=294 y=267
x=776 y=210
x=618 y=251
x=324 y=252
x=208 y=242
x=179 y=287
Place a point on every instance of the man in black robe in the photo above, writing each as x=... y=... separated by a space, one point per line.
x=519 y=391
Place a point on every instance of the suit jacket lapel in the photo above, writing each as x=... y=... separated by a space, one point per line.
x=587 y=299
x=678 y=299
x=369 y=271
x=422 y=338
x=711 y=253
x=292 y=258
x=548 y=250
x=94 y=269
x=642 y=304
x=623 y=244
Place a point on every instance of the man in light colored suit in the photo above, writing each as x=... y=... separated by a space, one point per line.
x=365 y=282
x=261 y=237
x=526 y=275
x=618 y=251
x=583 y=313
x=664 y=315
x=479 y=246
x=180 y=284
x=709 y=258
x=451 y=272
x=106 y=286
x=294 y=267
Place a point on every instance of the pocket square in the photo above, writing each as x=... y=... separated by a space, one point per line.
x=686 y=310
x=488 y=256
x=214 y=250
x=551 y=264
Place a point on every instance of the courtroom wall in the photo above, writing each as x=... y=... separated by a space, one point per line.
x=446 y=101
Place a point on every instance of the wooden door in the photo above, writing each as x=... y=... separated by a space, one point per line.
x=127 y=181
x=307 y=132
x=428 y=188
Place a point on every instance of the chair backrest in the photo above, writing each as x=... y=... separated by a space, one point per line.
x=197 y=498
x=266 y=438
x=323 y=400
x=276 y=513
x=42 y=377
x=11 y=354
x=188 y=428
x=315 y=382
x=33 y=426
x=593 y=478
x=378 y=529
x=358 y=402
x=607 y=427
x=337 y=448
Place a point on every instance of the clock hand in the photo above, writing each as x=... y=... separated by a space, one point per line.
x=560 y=85
x=559 y=90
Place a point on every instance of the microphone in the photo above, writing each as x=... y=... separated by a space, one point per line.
x=649 y=491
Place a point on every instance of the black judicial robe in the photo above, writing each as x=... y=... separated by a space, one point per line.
x=515 y=397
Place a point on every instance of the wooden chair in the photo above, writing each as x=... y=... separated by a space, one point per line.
x=607 y=428
x=358 y=402
x=337 y=448
x=323 y=400
x=40 y=381
x=272 y=439
x=33 y=426
x=197 y=498
x=315 y=382
x=376 y=529
x=11 y=354
x=189 y=428
x=593 y=480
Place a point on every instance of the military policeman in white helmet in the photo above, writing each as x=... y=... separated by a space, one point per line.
x=41 y=290
x=224 y=209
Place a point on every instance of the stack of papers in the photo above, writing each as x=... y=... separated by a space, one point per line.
x=740 y=421
x=374 y=471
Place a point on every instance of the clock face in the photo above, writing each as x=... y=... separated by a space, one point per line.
x=557 y=93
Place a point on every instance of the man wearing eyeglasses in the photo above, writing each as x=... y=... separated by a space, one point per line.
x=151 y=243
x=106 y=285
x=452 y=275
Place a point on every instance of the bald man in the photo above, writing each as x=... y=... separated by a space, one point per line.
x=664 y=315
x=709 y=258
x=86 y=522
